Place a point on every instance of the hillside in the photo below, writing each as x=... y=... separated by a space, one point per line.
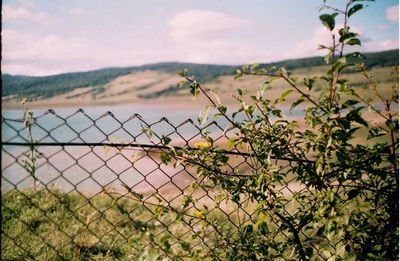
x=147 y=82
x=49 y=86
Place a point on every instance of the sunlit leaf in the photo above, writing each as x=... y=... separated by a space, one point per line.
x=355 y=9
x=328 y=20
x=354 y=41
x=203 y=116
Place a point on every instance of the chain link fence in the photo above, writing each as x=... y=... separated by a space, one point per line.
x=81 y=187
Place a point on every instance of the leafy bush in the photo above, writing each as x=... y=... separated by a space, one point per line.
x=345 y=157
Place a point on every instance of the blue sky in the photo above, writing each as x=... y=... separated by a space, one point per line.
x=48 y=37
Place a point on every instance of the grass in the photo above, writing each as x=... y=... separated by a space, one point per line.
x=48 y=224
x=51 y=225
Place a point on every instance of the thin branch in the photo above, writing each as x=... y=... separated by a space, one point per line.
x=333 y=8
x=288 y=81
x=295 y=232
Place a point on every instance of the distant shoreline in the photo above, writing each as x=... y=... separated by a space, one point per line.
x=14 y=105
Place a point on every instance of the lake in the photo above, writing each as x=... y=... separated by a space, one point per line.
x=89 y=169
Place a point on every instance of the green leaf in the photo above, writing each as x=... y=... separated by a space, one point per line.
x=140 y=225
x=263 y=228
x=354 y=41
x=309 y=82
x=296 y=103
x=344 y=30
x=135 y=194
x=186 y=200
x=248 y=229
x=203 y=116
x=194 y=88
x=355 y=9
x=222 y=109
x=164 y=238
x=238 y=75
x=349 y=103
x=216 y=97
x=122 y=210
x=321 y=231
x=393 y=125
x=283 y=96
x=322 y=47
x=181 y=83
x=148 y=132
x=241 y=91
x=354 y=115
x=353 y=193
x=328 y=20
x=165 y=242
x=309 y=251
x=375 y=132
x=165 y=140
x=347 y=36
x=185 y=246
x=182 y=73
x=165 y=158
x=277 y=113
x=250 y=110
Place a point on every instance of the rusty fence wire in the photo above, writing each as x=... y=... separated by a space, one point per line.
x=79 y=187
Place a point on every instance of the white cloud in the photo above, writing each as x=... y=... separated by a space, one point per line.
x=320 y=36
x=33 y=54
x=309 y=47
x=209 y=37
x=392 y=13
x=76 y=11
x=27 y=53
x=22 y=13
x=383 y=45
x=221 y=52
x=203 y=25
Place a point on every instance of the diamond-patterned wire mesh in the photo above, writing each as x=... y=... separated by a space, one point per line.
x=100 y=190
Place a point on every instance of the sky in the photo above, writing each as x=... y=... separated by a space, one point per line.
x=46 y=37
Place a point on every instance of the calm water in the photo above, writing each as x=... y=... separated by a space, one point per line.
x=89 y=169
x=108 y=123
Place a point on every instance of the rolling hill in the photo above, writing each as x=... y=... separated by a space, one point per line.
x=145 y=82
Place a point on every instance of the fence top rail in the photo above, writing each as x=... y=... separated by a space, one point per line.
x=40 y=120
x=144 y=146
